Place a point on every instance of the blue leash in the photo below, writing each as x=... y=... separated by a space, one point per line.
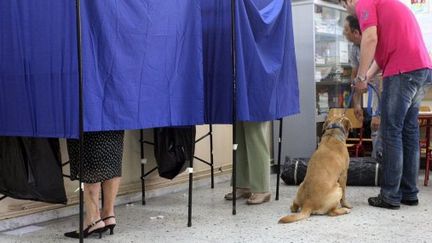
x=371 y=88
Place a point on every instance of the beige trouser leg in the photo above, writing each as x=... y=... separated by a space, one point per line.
x=253 y=156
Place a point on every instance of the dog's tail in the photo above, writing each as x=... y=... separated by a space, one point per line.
x=303 y=214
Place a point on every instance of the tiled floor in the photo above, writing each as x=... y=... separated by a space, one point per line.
x=213 y=221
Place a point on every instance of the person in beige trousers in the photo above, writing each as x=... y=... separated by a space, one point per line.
x=253 y=163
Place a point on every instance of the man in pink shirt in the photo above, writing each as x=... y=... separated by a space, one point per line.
x=392 y=42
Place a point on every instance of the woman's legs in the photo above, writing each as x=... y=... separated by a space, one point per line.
x=242 y=173
x=91 y=202
x=110 y=189
x=258 y=155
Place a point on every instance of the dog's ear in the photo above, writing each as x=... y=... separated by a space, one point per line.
x=347 y=124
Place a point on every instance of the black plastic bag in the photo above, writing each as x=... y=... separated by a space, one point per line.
x=294 y=170
x=174 y=146
x=31 y=169
x=362 y=171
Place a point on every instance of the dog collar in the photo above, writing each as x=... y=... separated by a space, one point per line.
x=336 y=126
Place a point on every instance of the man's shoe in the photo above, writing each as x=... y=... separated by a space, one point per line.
x=414 y=202
x=258 y=198
x=240 y=193
x=379 y=202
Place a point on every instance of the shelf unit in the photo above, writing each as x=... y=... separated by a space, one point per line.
x=324 y=72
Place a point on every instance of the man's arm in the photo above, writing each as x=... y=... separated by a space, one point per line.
x=373 y=70
x=367 y=52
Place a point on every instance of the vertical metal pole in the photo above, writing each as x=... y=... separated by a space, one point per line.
x=211 y=156
x=81 y=120
x=189 y=224
x=143 y=201
x=279 y=158
x=234 y=104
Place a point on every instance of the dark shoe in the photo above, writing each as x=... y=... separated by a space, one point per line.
x=379 y=202
x=86 y=232
x=414 y=202
x=109 y=227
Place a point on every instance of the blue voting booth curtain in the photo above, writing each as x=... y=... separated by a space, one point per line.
x=142 y=64
x=38 y=71
x=267 y=85
x=146 y=64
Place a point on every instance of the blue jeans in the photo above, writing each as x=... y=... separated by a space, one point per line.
x=376 y=144
x=400 y=103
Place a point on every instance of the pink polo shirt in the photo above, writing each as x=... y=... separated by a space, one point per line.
x=400 y=47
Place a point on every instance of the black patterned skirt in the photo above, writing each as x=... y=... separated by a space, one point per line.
x=102 y=156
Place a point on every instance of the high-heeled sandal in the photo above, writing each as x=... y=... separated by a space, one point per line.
x=86 y=232
x=109 y=227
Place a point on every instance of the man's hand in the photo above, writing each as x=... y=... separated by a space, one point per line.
x=361 y=86
x=358 y=112
x=375 y=123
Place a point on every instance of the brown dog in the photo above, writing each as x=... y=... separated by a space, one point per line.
x=324 y=185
